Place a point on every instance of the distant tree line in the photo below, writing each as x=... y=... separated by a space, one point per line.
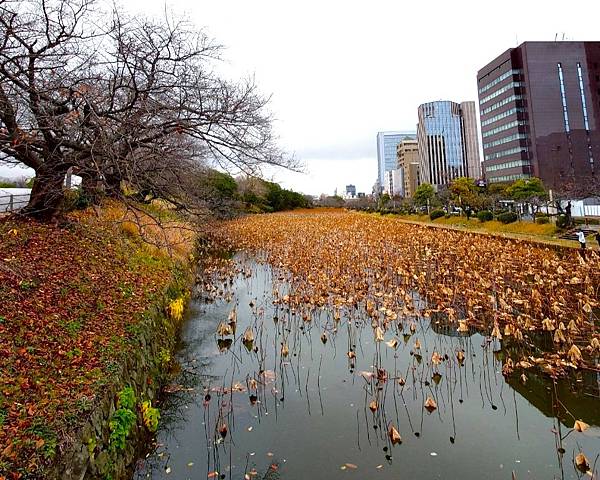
x=465 y=197
x=133 y=106
x=227 y=196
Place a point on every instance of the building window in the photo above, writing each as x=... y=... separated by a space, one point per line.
x=505 y=153
x=502 y=128
x=502 y=115
x=503 y=166
x=504 y=76
x=500 y=91
x=501 y=103
x=503 y=140
x=563 y=97
x=509 y=178
x=582 y=93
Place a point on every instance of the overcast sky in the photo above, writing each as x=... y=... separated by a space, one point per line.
x=340 y=71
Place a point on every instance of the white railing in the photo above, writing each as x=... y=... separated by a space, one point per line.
x=12 y=200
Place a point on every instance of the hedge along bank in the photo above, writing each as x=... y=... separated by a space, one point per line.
x=89 y=316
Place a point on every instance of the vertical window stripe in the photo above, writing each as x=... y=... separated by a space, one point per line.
x=563 y=97
x=582 y=93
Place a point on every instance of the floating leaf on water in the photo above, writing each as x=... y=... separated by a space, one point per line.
x=224 y=329
x=249 y=335
x=582 y=463
x=351 y=354
x=373 y=406
x=436 y=358
x=496 y=332
x=430 y=404
x=460 y=356
x=212 y=474
x=413 y=327
x=378 y=334
x=351 y=465
x=324 y=338
x=559 y=336
x=393 y=343
x=417 y=344
x=574 y=354
x=253 y=399
x=285 y=351
x=406 y=337
x=394 y=435
x=437 y=378
x=401 y=381
x=580 y=426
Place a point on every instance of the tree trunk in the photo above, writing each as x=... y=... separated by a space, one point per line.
x=92 y=187
x=47 y=194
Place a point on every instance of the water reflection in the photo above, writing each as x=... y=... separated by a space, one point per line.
x=321 y=393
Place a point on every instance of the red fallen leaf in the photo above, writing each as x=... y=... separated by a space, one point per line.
x=212 y=474
x=223 y=430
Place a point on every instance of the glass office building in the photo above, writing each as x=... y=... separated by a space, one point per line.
x=387 y=142
x=448 y=142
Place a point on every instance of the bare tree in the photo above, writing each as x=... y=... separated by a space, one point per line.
x=129 y=100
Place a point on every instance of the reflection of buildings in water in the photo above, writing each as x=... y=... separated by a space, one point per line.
x=441 y=325
x=577 y=396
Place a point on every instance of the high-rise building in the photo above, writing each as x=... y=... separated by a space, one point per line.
x=540 y=112
x=386 y=152
x=448 y=142
x=350 y=191
x=393 y=183
x=407 y=156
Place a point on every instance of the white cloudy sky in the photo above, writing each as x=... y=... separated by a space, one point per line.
x=339 y=71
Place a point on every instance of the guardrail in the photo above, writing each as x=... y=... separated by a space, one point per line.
x=13 y=202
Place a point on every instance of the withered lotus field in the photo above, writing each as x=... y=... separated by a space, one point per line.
x=326 y=344
x=511 y=290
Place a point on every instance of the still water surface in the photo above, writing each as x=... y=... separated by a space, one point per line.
x=308 y=416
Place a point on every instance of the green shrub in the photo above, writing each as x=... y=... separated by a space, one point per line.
x=508 y=217
x=123 y=420
x=561 y=221
x=126 y=398
x=436 y=214
x=75 y=199
x=121 y=423
x=485 y=216
x=542 y=219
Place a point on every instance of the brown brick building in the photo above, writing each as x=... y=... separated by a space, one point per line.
x=540 y=113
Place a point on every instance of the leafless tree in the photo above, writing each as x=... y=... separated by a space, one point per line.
x=132 y=101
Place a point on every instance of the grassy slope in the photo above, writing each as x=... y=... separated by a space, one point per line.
x=545 y=233
x=70 y=298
